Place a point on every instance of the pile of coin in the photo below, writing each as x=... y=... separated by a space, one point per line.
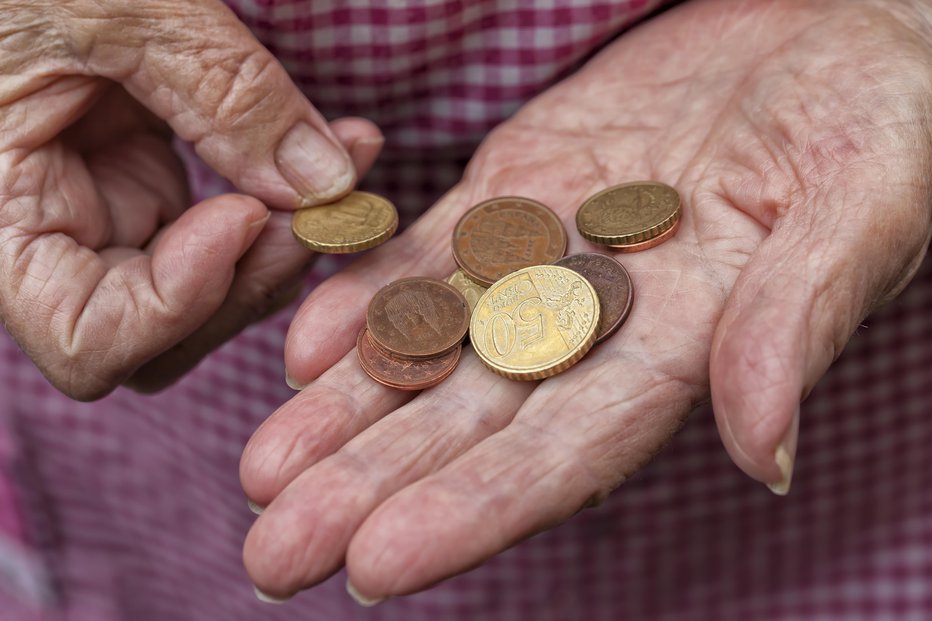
x=546 y=311
x=414 y=333
x=530 y=312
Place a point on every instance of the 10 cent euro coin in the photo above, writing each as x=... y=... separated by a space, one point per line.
x=631 y=216
x=535 y=322
x=356 y=222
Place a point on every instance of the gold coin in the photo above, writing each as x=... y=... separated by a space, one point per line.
x=356 y=222
x=470 y=290
x=629 y=214
x=535 y=322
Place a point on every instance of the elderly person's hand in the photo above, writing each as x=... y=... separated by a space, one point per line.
x=799 y=136
x=107 y=275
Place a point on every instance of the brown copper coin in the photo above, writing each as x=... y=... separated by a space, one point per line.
x=417 y=318
x=504 y=235
x=401 y=373
x=611 y=283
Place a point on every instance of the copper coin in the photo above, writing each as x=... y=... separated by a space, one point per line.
x=611 y=283
x=650 y=243
x=417 y=318
x=401 y=373
x=504 y=235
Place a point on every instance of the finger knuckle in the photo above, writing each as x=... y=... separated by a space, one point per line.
x=246 y=90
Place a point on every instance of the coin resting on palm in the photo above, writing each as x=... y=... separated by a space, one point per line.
x=404 y=373
x=505 y=234
x=630 y=216
x=534 y=313
x=470 y=290
x=417 y=318
x=611 y=283
x=535 y=323
x=356 y=222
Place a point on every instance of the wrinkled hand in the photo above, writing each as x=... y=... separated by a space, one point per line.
x=106 y=275
x=798 y=135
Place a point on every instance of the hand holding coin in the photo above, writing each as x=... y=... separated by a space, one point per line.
x=785 y=237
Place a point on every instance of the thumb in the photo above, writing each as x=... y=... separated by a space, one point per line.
x=195 y=65
x=797 y=301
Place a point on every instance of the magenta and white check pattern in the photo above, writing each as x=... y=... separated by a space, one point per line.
x=129 y=509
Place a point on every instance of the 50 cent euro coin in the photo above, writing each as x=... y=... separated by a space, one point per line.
x=535 y=323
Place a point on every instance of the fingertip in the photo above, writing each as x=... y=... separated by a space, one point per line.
x=365 y=152
x=309 y=351
x=362 y=138
x=755 y=378
x=258 y=467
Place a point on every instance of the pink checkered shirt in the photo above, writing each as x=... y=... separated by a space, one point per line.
x=130 y=509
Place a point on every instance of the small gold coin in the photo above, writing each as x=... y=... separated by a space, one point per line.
x=356 y=222
x=535 y=322
x=470 y=290
x=629 y=214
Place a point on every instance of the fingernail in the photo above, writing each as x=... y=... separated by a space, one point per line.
x=257 y=509
x=370 y=141
x=269 y=599
x=361 y=599
x=784 y=457
x=314 y=166
x=261 y=222
x=293 y=383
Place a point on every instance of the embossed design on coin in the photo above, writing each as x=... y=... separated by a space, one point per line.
x=470 y=290
x=401 y=373
x=629 y=214
x=355 y=222
x=611 y=283
x=417 y=318
x=535 y=322
x=505 y=234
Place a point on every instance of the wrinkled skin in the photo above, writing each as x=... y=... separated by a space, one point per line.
x=798 y=135
x=98 y=241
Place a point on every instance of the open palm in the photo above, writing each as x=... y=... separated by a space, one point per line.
x=797 y=136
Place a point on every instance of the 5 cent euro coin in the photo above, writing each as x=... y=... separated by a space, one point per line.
x=417 y=318
x=506 y=234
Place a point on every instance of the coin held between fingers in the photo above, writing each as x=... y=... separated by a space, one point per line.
x=356 y=222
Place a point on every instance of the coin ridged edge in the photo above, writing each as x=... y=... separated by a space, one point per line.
x=544 y=373
x=371 y=374
x=653 y=242
x=560 y=365
x=342 y=248
x=630 y=238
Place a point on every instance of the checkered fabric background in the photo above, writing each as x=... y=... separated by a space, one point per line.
x=129 y=509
